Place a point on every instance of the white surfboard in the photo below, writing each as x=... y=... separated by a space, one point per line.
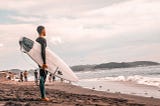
x=55 y=64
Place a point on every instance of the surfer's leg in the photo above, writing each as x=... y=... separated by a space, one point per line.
x=42 y=88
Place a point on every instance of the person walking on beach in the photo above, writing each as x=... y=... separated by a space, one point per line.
x=50 y=77
x=21 y=76
x=36 y=76
x=53 y=78
x=26 y=76
x=9 y=76
x=43 y=72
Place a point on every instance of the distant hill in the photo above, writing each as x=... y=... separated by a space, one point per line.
x=113 y=65
x=82 y=67
x=15 y=71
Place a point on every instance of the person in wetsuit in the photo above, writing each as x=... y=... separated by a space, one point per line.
x=36 y=76
x=43 y=72
x=21 y=76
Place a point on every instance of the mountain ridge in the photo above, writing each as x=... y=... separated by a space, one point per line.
x=113 y=65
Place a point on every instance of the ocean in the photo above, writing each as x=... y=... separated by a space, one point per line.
x=141 y=81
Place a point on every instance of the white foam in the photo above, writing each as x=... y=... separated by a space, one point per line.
x=136 y=79
x=144 y=80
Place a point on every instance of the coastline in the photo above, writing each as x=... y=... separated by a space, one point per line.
x=124 y=87
x=62 y=94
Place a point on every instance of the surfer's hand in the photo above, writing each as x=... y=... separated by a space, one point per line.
x=44 y=66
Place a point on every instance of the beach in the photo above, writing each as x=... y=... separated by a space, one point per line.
x=80 y=53
x=14 y=93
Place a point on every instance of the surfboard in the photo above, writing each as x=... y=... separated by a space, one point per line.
x=55 y=64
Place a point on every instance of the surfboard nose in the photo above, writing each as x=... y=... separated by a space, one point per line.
x=26 y=44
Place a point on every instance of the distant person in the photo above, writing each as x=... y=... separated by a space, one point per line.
x=50 y=78
x=10 y=76
x=62 y=79
x=43 y=72
x=60 y=73
x=21 y=76
x=26 y=76
x=36 y=76
x=53 y=78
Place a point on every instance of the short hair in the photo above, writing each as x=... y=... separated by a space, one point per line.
x=40 y=28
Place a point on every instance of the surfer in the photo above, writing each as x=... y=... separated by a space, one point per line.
x=36 y=76
x=53 y=78
x=43 y=73
x=50 y=77
x=21 y=76
x=26 y=76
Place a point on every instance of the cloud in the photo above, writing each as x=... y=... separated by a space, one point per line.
x=85 y=31
x=25 y=19
x=63 y=7
x=1 y=44
x=109 y=21
x=98 y=22
x=55 y=40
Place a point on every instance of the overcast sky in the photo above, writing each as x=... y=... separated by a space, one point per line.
x=82 y=31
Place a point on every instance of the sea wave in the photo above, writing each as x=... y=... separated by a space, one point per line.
x=136 y=79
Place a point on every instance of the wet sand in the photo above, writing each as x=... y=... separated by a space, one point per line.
x=62 y=94
x=125 y=87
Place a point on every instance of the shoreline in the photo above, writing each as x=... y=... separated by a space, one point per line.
x=63 y=94
x=124 y=87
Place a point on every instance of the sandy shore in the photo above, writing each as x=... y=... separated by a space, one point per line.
x=125 y=87
x=61 y=94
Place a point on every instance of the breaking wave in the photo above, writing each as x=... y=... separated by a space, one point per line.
x=136 y=79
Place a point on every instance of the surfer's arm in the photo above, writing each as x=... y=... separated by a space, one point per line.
x=42 y=42
x=43 y=53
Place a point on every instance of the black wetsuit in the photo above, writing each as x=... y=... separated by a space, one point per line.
x=43 y=43
x=43 y=73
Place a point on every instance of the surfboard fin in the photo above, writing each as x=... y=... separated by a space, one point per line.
x=59 y=72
